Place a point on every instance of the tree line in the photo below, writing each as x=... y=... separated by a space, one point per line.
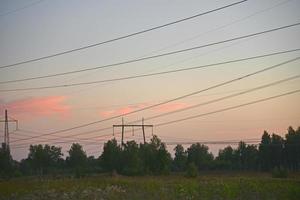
x=152 y=158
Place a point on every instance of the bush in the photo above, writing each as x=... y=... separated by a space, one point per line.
x=279 y=172
x=192 y=170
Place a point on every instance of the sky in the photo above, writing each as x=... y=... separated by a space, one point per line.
x=32 y=29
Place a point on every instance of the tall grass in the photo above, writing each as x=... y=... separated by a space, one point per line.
x=160 y=187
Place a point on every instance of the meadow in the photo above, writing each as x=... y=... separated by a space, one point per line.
x=205 y=186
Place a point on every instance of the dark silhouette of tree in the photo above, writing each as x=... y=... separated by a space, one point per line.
x=241 y=153
x=247 y=156
x=42 y=158
x=292 y=148
x=227 y=159
x=156 y=158
x=276 y=151
x=274 y=154
x=180 y=159
x=148 y=158
x=199 y=155
x=132 y=163
x=111 y=156
x=164 y=160
x=264 y=152
x=93 y=165
x=77 y=159
x=6 y=162
x=251 y=157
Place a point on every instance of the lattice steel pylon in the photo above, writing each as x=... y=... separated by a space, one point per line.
x=6 y=128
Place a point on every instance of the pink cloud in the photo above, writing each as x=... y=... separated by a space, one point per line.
x=37 y=107
x=122 y=110
x=171 y=107
x=127 y=109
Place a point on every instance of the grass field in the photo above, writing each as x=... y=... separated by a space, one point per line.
x=209 y=186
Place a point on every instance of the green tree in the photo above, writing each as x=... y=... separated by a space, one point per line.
x=292 y=148
x=180 y=159
x=42 y=158
x=93 y=165
x=77 y=159
x=227 y=159
x=26 y=167
x=131 y=159
x=199 y=155
x=191 y=171
x=276 y=151
x=6 y=162
x=251 y=157
x=156 y=159
x=147 y=154
x=241 y=154
x=111 y=156
x=247 y=156
x=164 y=160
x=264 y=152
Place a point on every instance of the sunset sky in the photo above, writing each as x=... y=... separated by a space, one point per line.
x=32 y=29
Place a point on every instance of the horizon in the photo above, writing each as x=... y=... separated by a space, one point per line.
x=48 y=27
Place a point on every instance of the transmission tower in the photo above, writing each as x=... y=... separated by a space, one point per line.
x=6 y=129
x=132 y=126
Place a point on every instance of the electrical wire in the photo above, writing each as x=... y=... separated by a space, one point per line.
x=170 y=100
x=228 y=108
x=150 y=74
x=122 y=37
x=21 y=8
x=151 y=57
x=180 y=110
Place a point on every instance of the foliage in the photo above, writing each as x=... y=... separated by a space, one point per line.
x=156 y=159
x=272 y=154
x=180 y=159
x=226 y=159
x=279 y=172
x=292 y=148
x=264 y=151
x=6 y=162
x=247 y=156
x=191 y=171
x=77 y=159
x=199 y=155
x=111 y=156
x=42 y=158
x=247 y=186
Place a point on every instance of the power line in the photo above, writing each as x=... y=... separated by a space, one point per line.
x=21 y=8
x=63 y=137
x=66 y=142
x=21 y=146
x=82 y=133
x=213 y=142
x=228 y=108
x=220 y=27
x=122 y=37
x=194 y=106
x=267 y=85
x=206 y=103
x=151 y=57
x=217 y=142
x=227 y=97
x=212 y=30
x=90 y=139
x=148 y=74
x=171 y=100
